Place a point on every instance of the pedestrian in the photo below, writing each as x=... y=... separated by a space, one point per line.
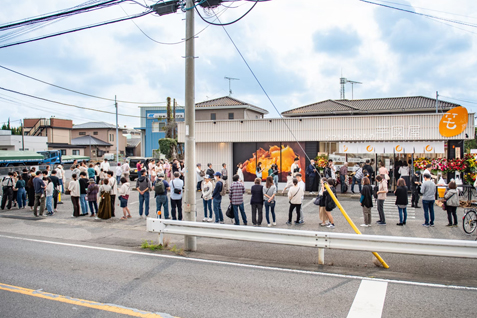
x=91 y=171
x=237 y=191
x=224 y=172
x=83 y=183
x=7 y=187
x=366 y=201
x=269 y=192
x=404 y=171
x=48 y=171
x=312 y=177
x=97 y=172
x=200 y=177
x=452 y=203
x=368 y=170
x=31 y=189
x=358 y=176
x=295 y=167
x=343 y=177
x=105 y=165
x=167 y=170
x=210 y=171
x=275 y=175
x=259 y=170
x=113 y=183
x=161 y=186
x=60 y=173
x=182 y=170
x=102 y=175
x=176 y=196
x=119 y=173
x=40 y=198
x=74 y=189
x=92 y=193
x=428 y=190
x=150 y=168
x=104 y=211
x=289 y=183
x=125 y=170
x=240 y=172
x=21 y=193
x=295 y=195
x=76 y=170
x=256 y=201
x=49 y=195
x=330 y=204
x=302 y=185
x=14 y=189
x=401 y=201
x=332 y=169
x=325 y=221
x=207 y=189
x=124 y=192
x=56 y=188
x=382 y=194
x=383 y=171
x=143 y=186
x=415 y=189
x=217 y=199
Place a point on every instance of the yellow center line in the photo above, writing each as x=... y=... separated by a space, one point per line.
x=84 y=303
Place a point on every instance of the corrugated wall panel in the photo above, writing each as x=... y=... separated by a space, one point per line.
x=215 y=153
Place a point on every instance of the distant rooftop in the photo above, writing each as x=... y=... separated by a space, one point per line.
x=88 y=140
x=95 y=125
x=228 y=102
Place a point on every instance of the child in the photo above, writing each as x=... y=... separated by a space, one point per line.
x=49 y=195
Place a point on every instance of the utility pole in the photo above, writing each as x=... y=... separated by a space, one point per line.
x=117 y=130
x=190 y=207
x=437 y=102
x=23 y=136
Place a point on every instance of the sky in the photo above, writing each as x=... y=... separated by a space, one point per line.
x=297 y=49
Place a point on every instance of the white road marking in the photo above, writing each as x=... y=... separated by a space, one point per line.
x=308 y=203
x=369 y=300
x=277 y=269
x=135 y=202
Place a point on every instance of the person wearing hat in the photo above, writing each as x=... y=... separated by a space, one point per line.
x=415 y=185
x=207 y=189
x=92 y=194
x=200 y=177
x=217 y=198
x=160 y=193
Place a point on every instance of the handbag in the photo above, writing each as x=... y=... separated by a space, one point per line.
x=230 y=212
x=318 y=200
x=386 y=176
x=176 y=190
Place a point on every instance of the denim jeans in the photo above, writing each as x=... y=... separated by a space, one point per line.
x=207 y=205
x=21 y=197
x=275 y=181
x=62 y=186
x=402 y=215
x=342 y=180
x=83 y=204
x=270 y=206
x=219 y=216
x=178 y=204
x=358 y=181
x=144 y=198
x=428 y=206
x=161 y=201
x=242 y=212
x=93 y=207
x=199 y=185
x=118 y=179
x=49 y=203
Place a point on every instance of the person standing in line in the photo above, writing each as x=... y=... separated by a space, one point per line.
x=143 y=186
x=240 y=172
x=83 y=183
x=74 y=189
x=295 y=167
x=224 y=172
x=452 y=203
x=269 y=192
x=56 y=189
x=104 y=211
x=161 y=187
x=302 y=185
x=25 y=177
x=176 y=196
x=14 y=189
x=21 y=193
x=119 y=173
x=401 y=201
x=405 y=173
x=97 y=172
x=428 y=190
x=76 y=170
x=289 y=183
x=368 y=170
x=114 y=191
x=330 y=204
x=343 y=176
x=295 y=195
x=217 y=199
x=40 y=198
x=105 y=165
x=210 y=171
x=275 y=173
x=256 y=201
x=366 y=201
x=91 y=171
x=358 y=176
x=60 y=173
x=182 y=170
x=92 y=193
x=200 y=177
x=237 y=191
x=167 y=170
x=325 y=221
x=31 y=189
x=7 y=187
x=49 y=195
x=125 y=169
x=207 y=189
x=383 y=171
x=124 y=192
x=382 y=194
x=415 y=185
x=312 y=177
x=258 y=171
x=332 y=169
x=47 y=171
x=150 y=166
x=102 y=175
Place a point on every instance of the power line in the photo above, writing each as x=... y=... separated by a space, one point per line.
x=229 y=23
x=73 y=91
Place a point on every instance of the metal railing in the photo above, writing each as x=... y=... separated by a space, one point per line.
x=315 y=239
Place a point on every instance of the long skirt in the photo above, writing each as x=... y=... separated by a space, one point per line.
x=104 y=211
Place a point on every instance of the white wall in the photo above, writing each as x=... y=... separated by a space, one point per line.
x=32 y=143
x=215 y=153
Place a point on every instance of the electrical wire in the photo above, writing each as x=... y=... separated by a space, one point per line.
x=229 y=23
x=73 y=91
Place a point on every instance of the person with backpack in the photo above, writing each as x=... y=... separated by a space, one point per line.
x=207 y=189
x=217 y=198
x=124 y=192
x=160 y=193
x=358 y=176
x=325 y=221
x=40 y=199
x=176 y=196
x=143 y=186
x=295 y=195
x=330 y=204
x=200 y=177
x=382 y=190
x=366 y=201
x=401 y=201
x=237 y=190
x=7 y=186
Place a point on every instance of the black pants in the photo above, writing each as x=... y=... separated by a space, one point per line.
x=452 y=213
x=55 y=199
x=415 y=197
x=178 y=204
x=312 y=184
x=257 y=209
x=7 y=196
x=290 y=212
x=76 y=206
x=113 y=203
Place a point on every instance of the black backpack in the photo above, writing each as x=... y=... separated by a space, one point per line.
x=230 y=212
x=159 y=187
x=375 y=191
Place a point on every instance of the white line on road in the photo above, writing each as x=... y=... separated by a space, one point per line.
x=308 y=203
x=277 y=269
x=369 y=300
x=135 y=202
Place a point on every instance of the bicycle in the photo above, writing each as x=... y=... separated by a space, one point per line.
x=469 y=221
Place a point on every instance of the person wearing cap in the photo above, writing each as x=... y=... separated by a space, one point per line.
x=217 y=199
x=92 y=193
x=176 y=196
x=200 y=177
x=207 y=189
x=160 y=193
x=415 y=185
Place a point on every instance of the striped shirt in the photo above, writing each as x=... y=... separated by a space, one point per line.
x=237 y=191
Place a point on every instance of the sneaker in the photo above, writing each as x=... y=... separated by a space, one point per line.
x=204 y=220
x=323 y=224
x=209 y=220
x=288 y=223
x=378 y=222
x=269 y=225
x=425 y=225
x=301 y=222
x=399 y=224
x=275 y=223
x=331 y=226
x=222 y=222
x=449 y=225
x=431 y=225
x=362 y=225
x=455 y=225
x=382 y=223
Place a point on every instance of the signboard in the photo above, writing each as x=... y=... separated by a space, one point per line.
x=394 y=147
x=454 y=122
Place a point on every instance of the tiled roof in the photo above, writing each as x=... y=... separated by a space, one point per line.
x=365 y=106
x=88 y=140
x=94 y=125
x=228 y=101
x=134 y=142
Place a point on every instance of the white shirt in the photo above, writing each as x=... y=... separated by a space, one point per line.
x=105 y=166
x=302 y=185
x=125 y=168
x=74 y=188
x=240 y=174
x=293 y=168
x=114 y=185
x=119 y=171
x=333 y=171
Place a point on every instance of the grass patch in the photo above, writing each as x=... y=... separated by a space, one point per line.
x=150 y=245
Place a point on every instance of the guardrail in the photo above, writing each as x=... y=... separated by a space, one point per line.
x=320 y=240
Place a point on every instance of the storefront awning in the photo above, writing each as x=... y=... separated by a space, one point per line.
x=392 y=147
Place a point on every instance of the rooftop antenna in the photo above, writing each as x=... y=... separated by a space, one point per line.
x=230 y=79
x=352 y=87
x=343 y=82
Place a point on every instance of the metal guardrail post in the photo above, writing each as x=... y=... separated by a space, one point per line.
x=321 y=256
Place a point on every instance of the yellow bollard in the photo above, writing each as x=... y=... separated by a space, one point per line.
x=338 y=204
x=59 y=197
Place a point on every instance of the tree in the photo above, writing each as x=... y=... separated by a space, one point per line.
x=471 y=143
x=168 y=147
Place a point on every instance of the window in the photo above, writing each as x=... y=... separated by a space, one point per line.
x=76 y=152
x=82 y=133
x=231 y=115
x=95 y=133
x=63 y=152
x=155 y=126
x=111 y=137
x=213 y=116
x=161 y=126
